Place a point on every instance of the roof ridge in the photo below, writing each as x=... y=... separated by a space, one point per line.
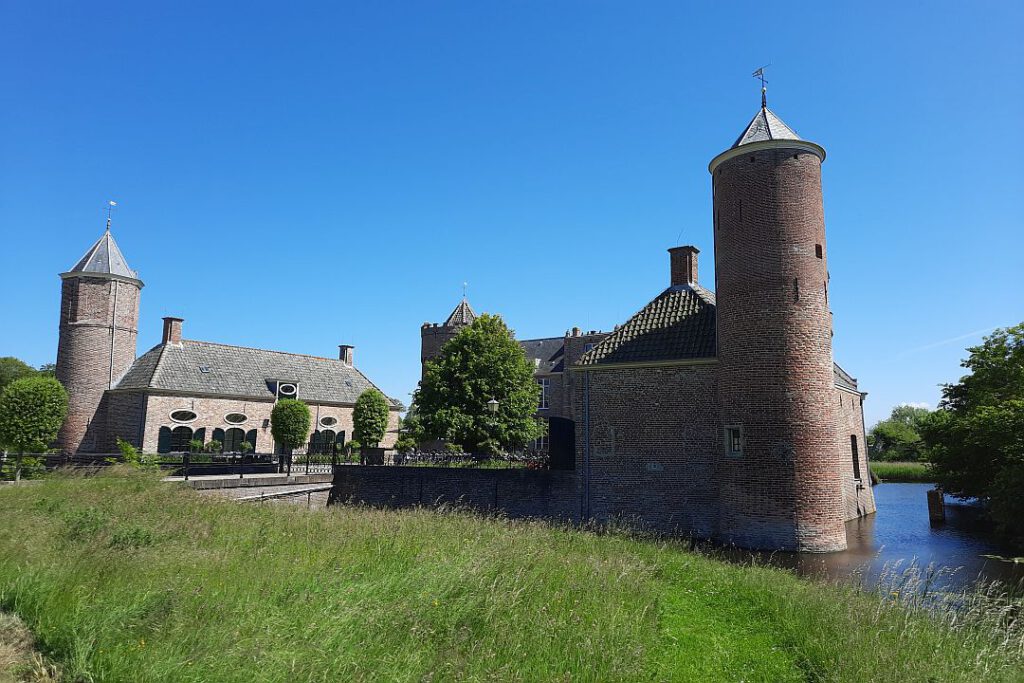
x=256 y=348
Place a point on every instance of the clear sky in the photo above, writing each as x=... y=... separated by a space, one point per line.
x=298 y=175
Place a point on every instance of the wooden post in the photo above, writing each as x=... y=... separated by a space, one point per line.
x=936 y=506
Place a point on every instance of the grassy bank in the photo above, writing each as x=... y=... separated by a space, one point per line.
x=902 y=471
x=122 y=578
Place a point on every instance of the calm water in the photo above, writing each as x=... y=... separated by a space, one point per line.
x=900 y=531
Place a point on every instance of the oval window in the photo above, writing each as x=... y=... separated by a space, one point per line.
x=183 y=416
x=235 y=418
x=328 y=421
x=286 y=389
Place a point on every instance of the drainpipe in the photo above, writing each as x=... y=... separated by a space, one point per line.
x=113 y=335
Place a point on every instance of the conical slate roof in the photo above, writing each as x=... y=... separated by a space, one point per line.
x=462 y=315
x=104 y=258
x=765 y=126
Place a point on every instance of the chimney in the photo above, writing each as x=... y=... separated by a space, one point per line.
x=346 y=353
x=172 y=330
x=576 y=332
x=684 y=265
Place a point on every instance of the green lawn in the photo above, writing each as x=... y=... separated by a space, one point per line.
x=123 y=578
x=902 y=471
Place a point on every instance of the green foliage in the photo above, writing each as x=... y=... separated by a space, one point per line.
x=405 y=445
x=196 y=446
x=48 y=370
x=289 y=423
x=11 y=369
x=214 y=446
x=370 y=417
x=245 y=447
x=124 y=578
x=975 y=441
x=412 y=426
x=902 y=471
x=32 y=410
x=898 y=438
x=482 y=362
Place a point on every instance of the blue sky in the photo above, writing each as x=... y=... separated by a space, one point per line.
x=294 y=175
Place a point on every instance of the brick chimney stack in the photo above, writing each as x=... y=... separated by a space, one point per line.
x=172 y=330
x=346 y=354
x=684 y=265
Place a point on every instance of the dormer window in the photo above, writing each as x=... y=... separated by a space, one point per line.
x=287 y=390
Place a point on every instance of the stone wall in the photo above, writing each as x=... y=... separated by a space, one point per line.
x=513 y=492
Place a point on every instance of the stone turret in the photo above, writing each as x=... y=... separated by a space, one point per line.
x=99 y=322
x=433 y=335
x=780 y=463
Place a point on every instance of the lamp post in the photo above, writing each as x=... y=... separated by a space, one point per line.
x=492 y=408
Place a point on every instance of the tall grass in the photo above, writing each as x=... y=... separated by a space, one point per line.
x=903 y=471
x=123 y=578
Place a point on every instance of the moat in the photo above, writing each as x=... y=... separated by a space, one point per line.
x=901 y=533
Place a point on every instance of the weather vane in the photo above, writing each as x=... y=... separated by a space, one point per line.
x=110 y=210
x=464 y=286
x=764 y=90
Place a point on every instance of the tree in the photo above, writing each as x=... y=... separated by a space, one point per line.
x=898 y=437
x=482 y=362
x=11 y=369
x=48 y=369
x=975 y=440
x=370 y=417
x=289 y=423
x=32 y=409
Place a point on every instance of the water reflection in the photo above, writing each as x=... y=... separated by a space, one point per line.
x=900 y=532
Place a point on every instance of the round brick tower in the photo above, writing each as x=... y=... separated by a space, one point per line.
x=99 y=322
x=780 y=464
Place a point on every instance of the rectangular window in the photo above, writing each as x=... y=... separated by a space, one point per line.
x=856 y=456
x=541 y=444
x=734 y=441
x=545 y=385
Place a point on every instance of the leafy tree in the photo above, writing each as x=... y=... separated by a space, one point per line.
x=411 y=426
x=405 y=445
x=976 y=439
x=370 y=417
x=213 y=446
x=11 y=369
x=482 y=362
x=289 y=423
x=48 y=369
x=32 y=410
x=898 y=437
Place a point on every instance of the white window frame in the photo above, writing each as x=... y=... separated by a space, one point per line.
x=545 y=385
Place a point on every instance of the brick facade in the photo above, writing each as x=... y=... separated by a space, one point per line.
x=98 y=330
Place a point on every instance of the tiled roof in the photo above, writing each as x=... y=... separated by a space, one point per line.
x=679 y=324
x=104 y=257
x=844 y=379
x=765 y=126
x=205 y=368
x=547 y=355
x=462 y=315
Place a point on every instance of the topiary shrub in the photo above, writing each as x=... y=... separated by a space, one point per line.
x=370 y=418
x=196 y=446
x=32 y=409
x=214 y=446
x=289 y=423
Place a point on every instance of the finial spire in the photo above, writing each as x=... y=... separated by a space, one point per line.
x=764 y=90
x=110 y=210
x=464 y=286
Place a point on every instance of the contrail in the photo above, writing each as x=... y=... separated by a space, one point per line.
x=943 y=342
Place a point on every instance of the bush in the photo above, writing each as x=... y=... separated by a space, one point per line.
x=245 y=447
x=370 y=417
x=289 y=423
x=405 y=445
x=32 y=409
x=214 y=446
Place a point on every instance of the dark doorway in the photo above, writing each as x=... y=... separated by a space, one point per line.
x=562 y=443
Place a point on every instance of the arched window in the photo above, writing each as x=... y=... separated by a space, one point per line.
x=329 y=437
x=250 y=436
x=199 y=435
x=163 y=443
x=180 y=436
x=218 y=435
x=316 y=443
x=233 y=439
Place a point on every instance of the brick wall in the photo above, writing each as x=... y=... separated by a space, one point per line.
x=775 y=354
x=93 y=354
x=653 y=445
x=515 y=492
x=210 y=414
x=857 y=500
